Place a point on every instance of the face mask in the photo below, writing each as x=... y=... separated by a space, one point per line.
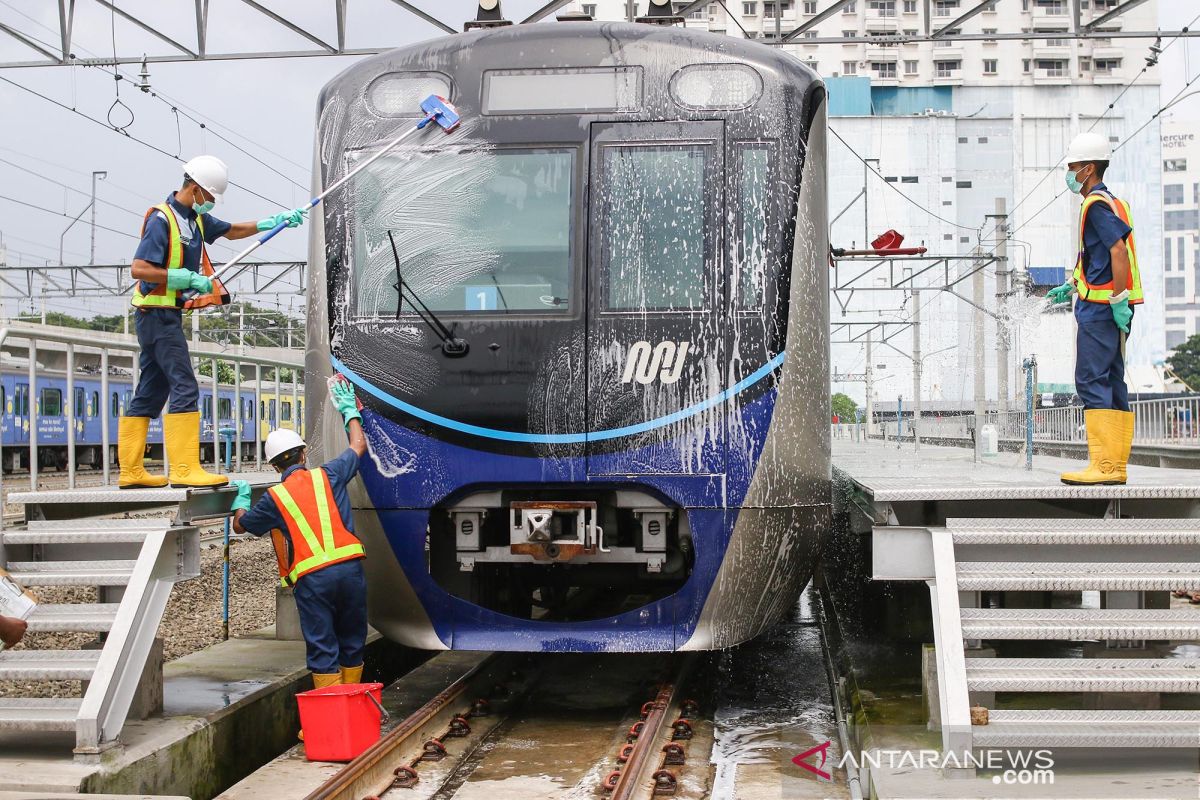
x=205 y=207
x=1073 y=182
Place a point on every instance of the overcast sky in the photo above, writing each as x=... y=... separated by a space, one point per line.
x=266 y=107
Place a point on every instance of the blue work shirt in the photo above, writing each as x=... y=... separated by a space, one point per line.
x=1101 y=230
x=264 y=516
x=155 y=246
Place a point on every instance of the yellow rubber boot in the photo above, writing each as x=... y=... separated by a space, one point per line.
x=181 y=433
x=320 y=681
x=1124 y=443
x=1105 y=430
x=352 y=674
x=131 y=449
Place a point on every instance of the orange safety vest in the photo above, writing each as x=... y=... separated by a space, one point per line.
x=160 y=296
x=316 y=538
x=1101 y=292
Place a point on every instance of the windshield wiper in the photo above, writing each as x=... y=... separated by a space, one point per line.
x=452 y=346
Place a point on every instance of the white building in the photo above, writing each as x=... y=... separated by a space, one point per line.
x=1181 y=229
x=955 y=126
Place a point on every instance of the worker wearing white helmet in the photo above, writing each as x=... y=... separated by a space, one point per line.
x=1108 y=287
x=317 y=551
x=171 y=260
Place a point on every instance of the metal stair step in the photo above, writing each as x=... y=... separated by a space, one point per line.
x=1075 y=624
x=1075 y=576
x=968 y=524
x=152 y=523
x=80 y=534
x=87 y=617
x=71 y=573
x=1101 y=729
x=1062 y=532
x=1083 y=674
x=48 y=665
x=38 y=714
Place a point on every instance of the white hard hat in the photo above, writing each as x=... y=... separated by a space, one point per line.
x=1088 y=147
x=210 y=172
x=280 y=441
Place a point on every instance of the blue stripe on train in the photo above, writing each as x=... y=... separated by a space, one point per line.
x=407 y=472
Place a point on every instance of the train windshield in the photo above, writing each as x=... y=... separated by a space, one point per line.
x=478 y=231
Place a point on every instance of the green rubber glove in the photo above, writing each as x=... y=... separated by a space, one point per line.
x=181 y=279
x=293 y=219
x=242 y=501
x=1061 y=294
x=341 y=392
x=1122 y=313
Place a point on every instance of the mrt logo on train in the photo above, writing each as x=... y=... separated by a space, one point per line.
x=664 y=362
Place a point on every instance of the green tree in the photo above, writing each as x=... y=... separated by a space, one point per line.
x=843 y=407
x=1185 y=362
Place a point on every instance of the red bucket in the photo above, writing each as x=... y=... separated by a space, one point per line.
x=889 y=240
x=339 y=722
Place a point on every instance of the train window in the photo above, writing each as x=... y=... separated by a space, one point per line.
x=22 y=400
x=4 y=401
x=207 y=407
x=114 y=406
x=80 y=403
x=127 y=398
x=654 y=223
x=285 y=412
x=562 y=91
x=752 y=245
x=272 y=407
x=225 y=408
x=50 y=404
x=724 y=86
x=502 y=234
x=399 y=94
x=94 y=408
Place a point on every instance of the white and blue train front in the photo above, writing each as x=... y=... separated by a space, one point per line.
x=590 y=331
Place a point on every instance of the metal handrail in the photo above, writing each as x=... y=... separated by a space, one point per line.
x=96 y=342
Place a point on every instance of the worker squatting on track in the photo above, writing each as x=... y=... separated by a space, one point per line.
x=318 y=553
x=171 y=262
x=1107 y=281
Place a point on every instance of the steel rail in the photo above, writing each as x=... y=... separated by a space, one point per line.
x=636 y=779
x=375 y=766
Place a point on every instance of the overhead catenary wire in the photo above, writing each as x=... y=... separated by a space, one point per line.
x=127 y=135
x=897 y=191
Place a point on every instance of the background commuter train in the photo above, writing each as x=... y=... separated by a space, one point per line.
x=590 y=332
x=18 y=410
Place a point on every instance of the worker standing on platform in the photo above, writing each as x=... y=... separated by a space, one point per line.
x=1109 y=287
x=171 y=260
x=318 y=553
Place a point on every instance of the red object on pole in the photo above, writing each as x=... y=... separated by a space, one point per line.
x=889 y=240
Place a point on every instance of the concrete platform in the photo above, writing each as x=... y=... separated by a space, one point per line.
x=291 y=775
x=889 y=474
x=227 y=710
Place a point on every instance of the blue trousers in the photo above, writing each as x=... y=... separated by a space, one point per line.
x=166 y=365
x=1100 y=366
x=333 y=615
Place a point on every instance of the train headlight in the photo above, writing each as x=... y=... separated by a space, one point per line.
x=716 y=86
x=399 y=94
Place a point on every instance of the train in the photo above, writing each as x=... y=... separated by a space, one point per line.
x=21 y=410
x=589 y=331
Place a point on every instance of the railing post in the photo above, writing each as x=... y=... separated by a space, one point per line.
x=216 y=419
x=238 y=415
x=1030 y=367
x=257 y=417
x=105 y=408
x=33 y=416
x=278 y=399
x=70 y=401
x=295 y=405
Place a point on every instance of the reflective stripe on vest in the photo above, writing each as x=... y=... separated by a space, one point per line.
x=1102 y=292
x=161 y=296
x=319 y=552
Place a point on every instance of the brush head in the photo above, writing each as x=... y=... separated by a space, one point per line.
x=441 y=111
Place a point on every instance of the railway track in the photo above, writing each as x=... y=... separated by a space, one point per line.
x=622 y=732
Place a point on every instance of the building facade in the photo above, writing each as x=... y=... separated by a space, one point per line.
x=1181 y=230
x=955 y=127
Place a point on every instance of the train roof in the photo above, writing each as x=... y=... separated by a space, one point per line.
x=573 y=44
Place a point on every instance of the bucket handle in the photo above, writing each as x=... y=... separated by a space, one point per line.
x=385 y=717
